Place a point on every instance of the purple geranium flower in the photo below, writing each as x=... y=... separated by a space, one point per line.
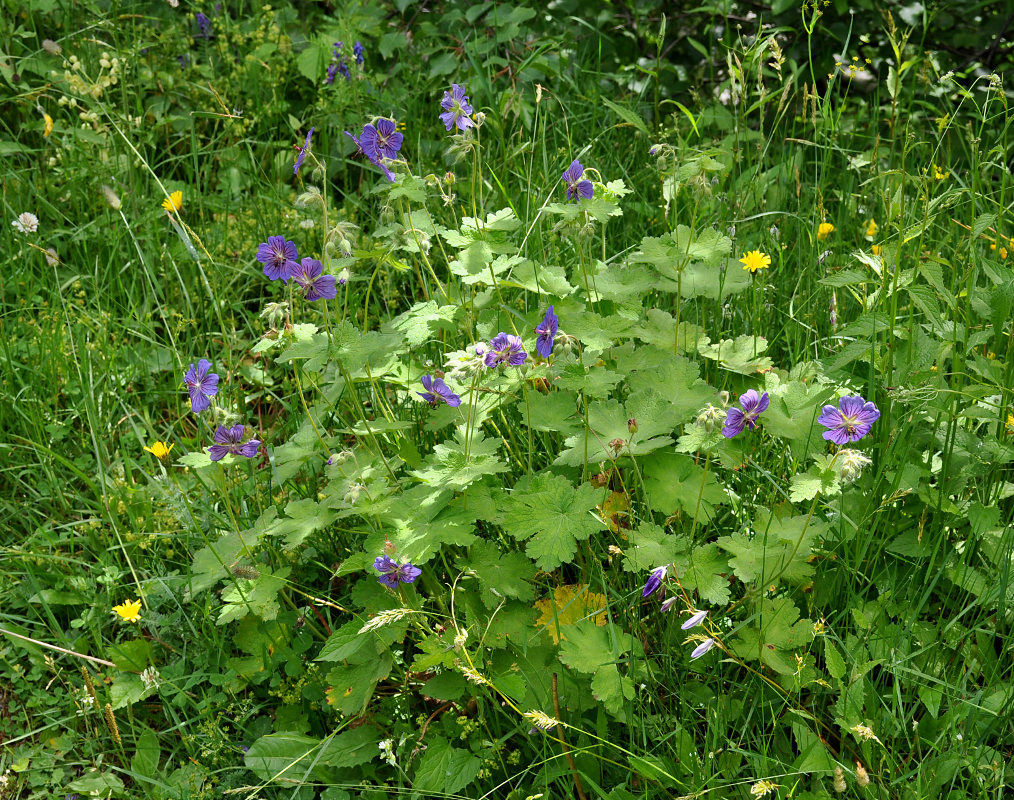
x=357 y=51
x=456 y=109
x=753 y=407
x=546 y=332
x=315 y=286
x=393 y=573
x=505 y=349
x=654 y=582
x=278 y=257
x=576 y=187
x=201 y=384
x=436 y=389
x=230 y=440
x=382 y=139
x=365 y=146
x=851 y=421
x=302 y=152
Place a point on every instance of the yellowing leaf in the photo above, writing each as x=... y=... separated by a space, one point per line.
x=568 y=606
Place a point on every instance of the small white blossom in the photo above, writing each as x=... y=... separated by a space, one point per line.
x=26 y=223
x=150 y=678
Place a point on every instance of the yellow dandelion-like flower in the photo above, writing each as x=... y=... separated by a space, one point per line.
x=824 y=230
x=871 y=229
x=174 y=202
x=939 y=174
x=755 y=260
x=160 y=451
x=877 y=249
x=48 y=120
x=129 y=610
x=761 y=788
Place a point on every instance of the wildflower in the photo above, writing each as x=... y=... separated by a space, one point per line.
x=456 y=109
x=366 y=146
x=824 y=230
x=865 y=732
x=278 y=257
x=393 y=573
x=201 y=384
x=230 y=440
x=940 y=174
x=387 y=752
x=129 y=610
x=541 y=720
x=174 y=202
x=315 y=285
x=862 y=776
x=850 y=421
x=437 y=389
x=668 y=603
x=871 y=229
x=357 y=51
x=763 y=787
x=150 y=678
x=51 y=47
x=753 y=407
x=204 y=24
x=576 y=187
x=52 y=257
x=755 y=260
x=546 y=332
x=654 y=582
x=709 y=416
x=850 y=464
x=160 y=451
x=382 y=139
x=1010 y=423
x=332 y=71
x=473 y=675
x=695 y=619
x=839 y=780
x=47 y=121
x=302 y=152
x=702 y=648
x=1003 y=250
x=505 y=349
x=26 y=223
x=876 y=249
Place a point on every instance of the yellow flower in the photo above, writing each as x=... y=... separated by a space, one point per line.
x=129 y=611
x=49 y=124
x=1010 y=423
x=939 y=174
x=824 y=230
x=1003 y=250
x=174 y=202
x=160 y=451
x=755 y=260
x=877 y=249
x=763 y=787
x=871 y=229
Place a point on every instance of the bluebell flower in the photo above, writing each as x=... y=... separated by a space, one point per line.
x=654 y=582
x=695 y=619
x=302 y=152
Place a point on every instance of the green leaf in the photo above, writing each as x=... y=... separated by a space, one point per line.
x=303 y=518
x=425 y=321
x=283 y=757
x=816 y=480
x=675 y=483
x=594 y=381
x=352 y=684
x=128 y=689
x=612 y=689
x=589 y=646
x=706 y=573
x=775 y=629
x=834 y=661
x=649 y=546
x=555 y=514
x=146 y=755
x=459 y=462
x=500 y=574
x=352 y=747
x=258 y=597
x=550 y=279
x=344 y=642
x=627 y=115
x=444 y=769
x=742 y=354
x=310 y=62
x=130 y=656
x=610 y=438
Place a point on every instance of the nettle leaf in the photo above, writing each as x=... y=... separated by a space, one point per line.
x=443 y=769
x=649 y=546
x=742 y=354
x=554 y=515
x=675 y=483
x=425 y=321
x=500 y=574
x=610 y=438
x=462 y=461
x=775 y=630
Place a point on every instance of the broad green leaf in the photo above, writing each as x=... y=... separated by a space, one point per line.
x=772 y=634
x=742 y=354
x=500 y=574
x=352 y=747
x=649 y=546
x=589 y=646
x=443 y=769
x=258 y=596
x=610 y=438
x=425 y=321
x=352 y=685
x=132 y=655
x=283 y=757
x=462 y=461
x=674 y=483
x=612 y=689
x=303 y=517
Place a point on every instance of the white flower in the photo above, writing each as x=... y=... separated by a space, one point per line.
x=26 y=223
x=150 y=678
x=306 y=224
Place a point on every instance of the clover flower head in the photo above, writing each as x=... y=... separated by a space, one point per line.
x=278 y=257
x=315 y=285
x=505 y=348
x=753 y=406
x=302 y=152
x=129 y=610
x=546 y=332
x=850 y=421
x=230 y=440
x=576 y=186
x=201 y=384
x=392 y=573
x=457 y=109
x=654 y=582
x=437 y=390
x=150 y=678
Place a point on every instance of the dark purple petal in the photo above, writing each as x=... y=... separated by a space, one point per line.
x=574 y=172
x=302 y=152
x=762 y=404
x=359 y=145
x=585 y=189
x=654 y=581
x=249 y=450
x=390 y=580
x=198 y=401
x=385 y=564
x=322 y=288
x=749 y=400
x=837 y=435
x=218 y=451
x=851 y=405
x=429 y=397
x=407 y=573
x=735 y=421
x=830 y=418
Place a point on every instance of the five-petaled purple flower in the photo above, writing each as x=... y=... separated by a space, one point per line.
x=278 y=257
x=505 y=348
x=230 y=440
x=381 y=140
x=393 y=573
x=576 y=187
x=546 y=332
x=201 y=384
x=456 y=109
x=753 y=407
x=315 y=286
x=365 y=146
x=851 y=421
x=302 y=152
x=654 y=582
x=436 y=390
